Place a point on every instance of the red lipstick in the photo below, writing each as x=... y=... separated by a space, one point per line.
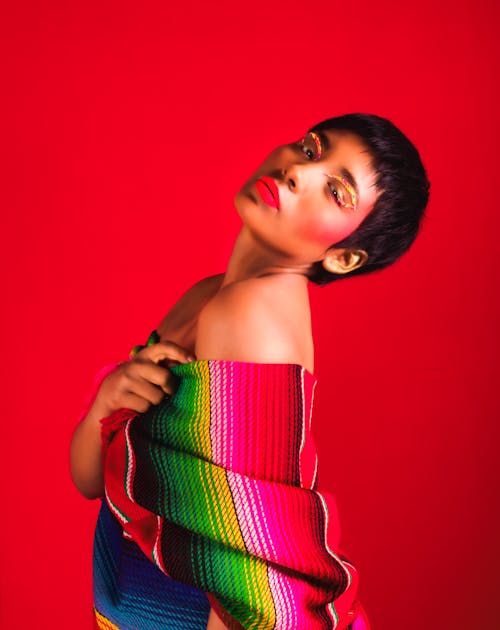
x=268 y=191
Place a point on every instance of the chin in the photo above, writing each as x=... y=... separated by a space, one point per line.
x=244 y=202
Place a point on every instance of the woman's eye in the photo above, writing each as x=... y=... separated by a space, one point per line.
x=342 y=192
x=311 y=146
x=335 y=193
x=308 y=152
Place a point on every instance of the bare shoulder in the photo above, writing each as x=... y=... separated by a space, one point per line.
x=189 y=304
x=257 y=320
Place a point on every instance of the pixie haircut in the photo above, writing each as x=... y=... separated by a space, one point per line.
x=393 y=223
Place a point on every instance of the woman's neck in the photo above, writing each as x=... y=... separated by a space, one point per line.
x=251 y=259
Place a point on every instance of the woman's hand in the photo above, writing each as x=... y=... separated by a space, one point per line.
x=136 y=384
x=144 y=380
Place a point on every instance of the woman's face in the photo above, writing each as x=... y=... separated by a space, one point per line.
x=309 y=195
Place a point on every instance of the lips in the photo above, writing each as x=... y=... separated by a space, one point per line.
x=268 y=191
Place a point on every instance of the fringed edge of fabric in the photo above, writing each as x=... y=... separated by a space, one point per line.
x=111 y=424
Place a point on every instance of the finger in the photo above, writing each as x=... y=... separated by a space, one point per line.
x=146 y=390
x=171 y=385
x=149 y=371
x=134 y=402
x=166 y=350
x=144 y=369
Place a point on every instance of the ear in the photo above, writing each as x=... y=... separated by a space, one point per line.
x=344 y=260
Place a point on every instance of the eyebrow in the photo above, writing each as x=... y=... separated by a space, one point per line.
x=346 y=174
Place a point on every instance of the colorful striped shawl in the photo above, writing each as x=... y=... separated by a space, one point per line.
x=217 y=487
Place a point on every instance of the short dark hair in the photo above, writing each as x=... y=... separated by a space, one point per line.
x=393 y=223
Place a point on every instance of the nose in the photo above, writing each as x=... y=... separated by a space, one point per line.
x=295 y=176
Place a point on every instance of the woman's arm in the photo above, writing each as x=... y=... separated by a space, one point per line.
x=215 y=622
x=136 y=384
x=85 y=453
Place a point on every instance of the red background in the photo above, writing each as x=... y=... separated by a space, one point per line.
x=128 y=128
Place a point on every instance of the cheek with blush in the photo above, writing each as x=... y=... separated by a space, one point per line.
x=329 y=231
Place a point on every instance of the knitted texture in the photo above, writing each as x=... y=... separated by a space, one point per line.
x=211 y=500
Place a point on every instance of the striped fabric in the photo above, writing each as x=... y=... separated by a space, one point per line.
x=211 y=500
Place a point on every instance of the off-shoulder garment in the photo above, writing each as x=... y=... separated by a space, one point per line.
x=211 y=500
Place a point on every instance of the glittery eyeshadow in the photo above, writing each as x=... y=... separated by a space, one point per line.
x=349 y=189
x=317 y=142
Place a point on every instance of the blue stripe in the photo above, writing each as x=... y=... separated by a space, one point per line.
x=133 y=593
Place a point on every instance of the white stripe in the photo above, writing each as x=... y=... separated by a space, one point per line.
x=286 y=614
x=130 y=458
x=313 y=482
x=156 y=548
x=303 y=425
x=334 y=556
x=123 y=520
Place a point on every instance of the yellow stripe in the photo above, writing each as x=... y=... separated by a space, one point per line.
x=218 y=498
x=103 y=623
x=201 y=429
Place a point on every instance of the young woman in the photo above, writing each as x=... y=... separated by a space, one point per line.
x=211 y=516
